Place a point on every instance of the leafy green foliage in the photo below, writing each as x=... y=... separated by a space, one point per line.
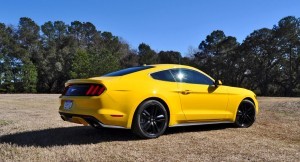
x=81 y=65
x=29 y=77
x=147 y=55
x=42 y=58
x=169 y=57
x=219 y=57
x=267 y=61
x=287 y=32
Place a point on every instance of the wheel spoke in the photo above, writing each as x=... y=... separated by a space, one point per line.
x=146 y=126
x=153 y=119
x=242 y=120
x=146 y=113
x=244 y=108
x=156 y=129
x=145 y=116
x=249 y=111
x=239 y=113
x=245 y=115
x=249 y=118
x=160 y=118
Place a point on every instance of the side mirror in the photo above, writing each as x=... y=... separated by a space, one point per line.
x=217 y=83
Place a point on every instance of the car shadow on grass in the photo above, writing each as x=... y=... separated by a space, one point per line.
x=62 y=136
x=198 y=128
x=87 y=135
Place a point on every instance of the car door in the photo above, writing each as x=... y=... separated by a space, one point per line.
x=200 y=99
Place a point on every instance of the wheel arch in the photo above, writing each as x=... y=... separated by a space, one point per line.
x=245 y=123
x=250 y=99
x=255 y=102
x=147 y=99
x=245 y=98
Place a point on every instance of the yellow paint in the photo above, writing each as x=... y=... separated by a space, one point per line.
x=186 y=102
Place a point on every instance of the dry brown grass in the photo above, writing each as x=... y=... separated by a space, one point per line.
x=31 y=130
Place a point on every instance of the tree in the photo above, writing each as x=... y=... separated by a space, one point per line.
x=28 y=39
x=10 y=63
x=262 y=58
x=81 y=66
x=57 y=47
x=29 y=51
x=130 y=60
x=169 y=57
x=288 y=33
x=268 y=60
x=146 y=55
x=29 y=77
x=218 y=56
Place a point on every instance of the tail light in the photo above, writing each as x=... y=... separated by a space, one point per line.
x=95 y=90
x=84 y=90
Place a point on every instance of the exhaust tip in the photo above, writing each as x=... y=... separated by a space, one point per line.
x=63 y=118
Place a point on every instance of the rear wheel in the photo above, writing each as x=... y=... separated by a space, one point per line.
x=150 y=120
x=245 y=115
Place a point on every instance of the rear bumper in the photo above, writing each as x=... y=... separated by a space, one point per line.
x=85 y=120
x=104 y=109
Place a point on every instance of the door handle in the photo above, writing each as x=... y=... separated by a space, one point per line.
x=185 y=92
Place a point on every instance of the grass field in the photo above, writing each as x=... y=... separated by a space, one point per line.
x=31 y=130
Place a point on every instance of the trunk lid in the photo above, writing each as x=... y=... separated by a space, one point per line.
x=88 y=87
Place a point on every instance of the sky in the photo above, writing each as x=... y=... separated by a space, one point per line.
x=177 y=25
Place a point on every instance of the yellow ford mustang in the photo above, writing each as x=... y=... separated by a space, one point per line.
x=148 y=99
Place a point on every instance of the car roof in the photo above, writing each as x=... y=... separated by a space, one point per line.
x=158 y=67
x=170 y=66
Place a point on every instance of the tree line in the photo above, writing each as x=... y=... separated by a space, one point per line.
x=40 y=59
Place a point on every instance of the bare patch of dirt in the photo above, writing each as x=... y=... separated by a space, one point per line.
x=31 y=130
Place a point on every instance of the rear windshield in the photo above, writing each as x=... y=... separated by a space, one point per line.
x=128 y=71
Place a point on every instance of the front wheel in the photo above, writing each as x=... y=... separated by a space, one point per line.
x=150 y=120
x=245 y=115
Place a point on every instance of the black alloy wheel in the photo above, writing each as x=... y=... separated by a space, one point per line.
x=151 y=119
x=245 y=115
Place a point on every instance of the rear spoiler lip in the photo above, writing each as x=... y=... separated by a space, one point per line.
x=82 y=81
x=94 y=80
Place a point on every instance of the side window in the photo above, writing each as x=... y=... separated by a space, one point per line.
x=163 y=75
x=191 y=76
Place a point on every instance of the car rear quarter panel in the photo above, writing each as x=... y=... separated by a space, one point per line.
x=132 y=90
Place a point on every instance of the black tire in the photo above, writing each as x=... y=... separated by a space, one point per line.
x=245 y=115
x=150 y=120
